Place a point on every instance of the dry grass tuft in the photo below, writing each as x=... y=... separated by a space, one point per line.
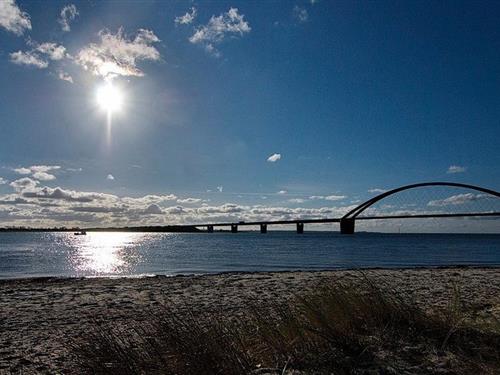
x=340 y=328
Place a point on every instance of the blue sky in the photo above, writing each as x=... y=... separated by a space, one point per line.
x=352 y=96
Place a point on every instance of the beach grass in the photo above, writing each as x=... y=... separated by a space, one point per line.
x=360 y=327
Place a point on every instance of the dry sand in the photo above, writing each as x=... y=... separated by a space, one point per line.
x=40 y=317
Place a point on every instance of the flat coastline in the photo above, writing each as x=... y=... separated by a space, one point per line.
x=41 y=317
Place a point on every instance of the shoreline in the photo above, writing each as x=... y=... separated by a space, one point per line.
x=222 y=273
x=257 y=231
x=40 y=318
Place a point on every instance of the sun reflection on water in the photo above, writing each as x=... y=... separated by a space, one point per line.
x=104 y=253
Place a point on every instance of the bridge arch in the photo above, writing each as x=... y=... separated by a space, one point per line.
x=347 y=221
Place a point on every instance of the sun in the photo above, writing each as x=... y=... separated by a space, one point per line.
x=109 y=98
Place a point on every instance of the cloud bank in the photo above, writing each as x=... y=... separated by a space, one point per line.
x=36 y=205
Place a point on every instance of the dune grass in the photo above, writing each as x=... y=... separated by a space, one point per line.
x=339 y=328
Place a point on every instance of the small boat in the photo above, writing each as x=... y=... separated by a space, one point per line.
x=81 y=233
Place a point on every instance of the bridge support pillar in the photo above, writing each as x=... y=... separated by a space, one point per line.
x=300 y=228
x=347 y=226
x=210 y=228
x=263 y=228
x=234 y=228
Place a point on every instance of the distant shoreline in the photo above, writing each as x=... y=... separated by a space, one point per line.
x=145 y=229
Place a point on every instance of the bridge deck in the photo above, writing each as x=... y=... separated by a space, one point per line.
x=347 y=222
x=337 y=220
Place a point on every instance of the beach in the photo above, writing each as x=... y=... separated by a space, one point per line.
x=41 y=318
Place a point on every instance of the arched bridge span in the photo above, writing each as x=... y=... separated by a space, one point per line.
x=347 y=221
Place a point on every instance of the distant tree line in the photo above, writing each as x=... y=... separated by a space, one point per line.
x=166 y=228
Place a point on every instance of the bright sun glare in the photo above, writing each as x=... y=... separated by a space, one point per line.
x=109 y=98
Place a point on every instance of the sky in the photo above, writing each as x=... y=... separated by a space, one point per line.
x=243 y=110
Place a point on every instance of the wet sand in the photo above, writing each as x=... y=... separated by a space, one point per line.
x=40 y=318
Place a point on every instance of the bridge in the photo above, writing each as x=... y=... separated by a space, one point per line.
x=364 y=210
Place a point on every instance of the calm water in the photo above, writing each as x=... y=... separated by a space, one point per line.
x=109 y=254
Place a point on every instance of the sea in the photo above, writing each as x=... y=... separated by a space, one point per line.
x=118 y=254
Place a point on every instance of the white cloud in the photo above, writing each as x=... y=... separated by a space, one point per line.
x=3 y=181
x=274 y=158
x=150 y=198
x=153 y=209
x=44 y=168
x=28 y=58
x=99 y=209
x=377 y=190
x=33 y=57
x=110 y=177
x=189 y=200
x=44 y=176
x=225 y=208
x=23 y=184
x=328 y=197
x=38 y=172
x=144 y=36
x=218 y=28
x=335 y=197
x=22 y=170
x=300 y=14
x=187 y=18
x=68 y=14
x=212 y=50
x=65 y=76
x=455 y=169
x=64 y=195
x=282 y=192
x=117 y=55
x=53 y=51
x=458 y=200
x=12 y=18
x=12 y=199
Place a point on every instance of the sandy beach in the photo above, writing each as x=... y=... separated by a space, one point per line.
x=39 y=318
